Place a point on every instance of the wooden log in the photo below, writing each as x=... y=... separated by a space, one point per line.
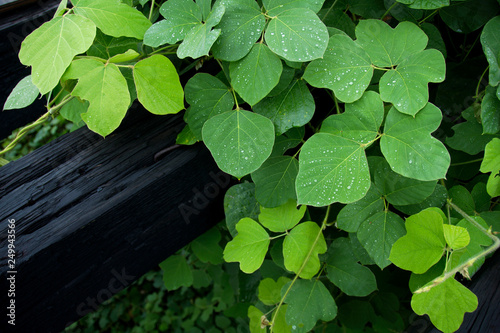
x=92 y=215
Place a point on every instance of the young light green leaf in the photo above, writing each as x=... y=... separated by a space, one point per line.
x=114 y=18
x=308 y=301
x=249 y=247
x=241 y=26
x=181 y=16
x=445 y=304
x=176 y=272
x=254 y=76
x=410 y=149
x=129 y=55
x=270 y=290
x=331 y=169
x=104 y=86
x=388 y=47
x=297 y=35
x=158 y=87
x=297 y=245
x=43 y=49
x=423 y=245
x=23 y=94
x=406 y=85
x=206 y=247
x=293 y=107
x=378 y=234
x=240 y=141
x=275 y=181
x=490 y=41
x=490 y=111
x=456 y=237
x=282 y=218
x=491 y=163
x=208 y=97
x=345 y=69
x=345 y=272
x=240 y=202
x=352 y=215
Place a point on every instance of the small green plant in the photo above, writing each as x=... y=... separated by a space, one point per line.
x=359 y=138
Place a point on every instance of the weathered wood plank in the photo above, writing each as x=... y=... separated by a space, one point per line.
x=94 y=214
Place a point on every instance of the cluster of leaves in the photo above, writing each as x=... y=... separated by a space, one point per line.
x=322 y=110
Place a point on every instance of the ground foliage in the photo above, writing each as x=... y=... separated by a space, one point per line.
x=364 y=134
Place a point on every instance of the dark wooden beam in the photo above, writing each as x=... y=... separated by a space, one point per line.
x=92 y=215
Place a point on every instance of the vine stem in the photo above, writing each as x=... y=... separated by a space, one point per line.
x=323 y=226
x=450 y=274
x=151 y=9
x=479 y=82
x=389 y=10
x=468 y=162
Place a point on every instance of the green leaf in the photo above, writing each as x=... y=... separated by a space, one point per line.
x=181 y=16
x=176 y=272
x=463 y=199
x=206 y=247
x=490 y=41
x=254 y=76
x=114 y=18
x=428 y=4
x=389 y=47
x=435 y=39
x=490 y=111
x=367 y=8
x=61 y=9
x=337 y=18
x=73 y=110
x=298 y=244
x=275 y=7
x=491 y=163
x=208 y=97
x=436 y=199
x=249 y=247
x=129 y=55
x=468 y=16
x=240 y=202
x=293 y=107
x=352 y=215
x=410 y=149
x=308 y=302
x=402 y=12
x=345 y=69
x=241 y=26
x=104 y=86
x=282 y=218
x=456 y=237
x=158 y=87
x=280 y=325
x=256 y=316
x=51 y=48
x=445 y=304
x=378 y=234
x=240 y=141
x=345 y=272
x=106 y=46
x=423 y=245
x=290 y=139
x=23 y=94
x=270 y=290
x=186 y=137
x=406 y=85
x=297 y=35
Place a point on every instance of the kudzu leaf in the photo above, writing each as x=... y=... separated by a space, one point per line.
x=367 y=8
x=490 y=112
x=158 y=87
x=51 y=48
x=410 y=149
x=105 y=46
x=336 y=18
x=186 y=137
x=113 y=17
x=204 y=7
x=176 y=272
x=254 y=76
x=427 y=4
x=345 y=69
x=240 y=202
x=286 y=78
x=275 y=181
x=344 y=271
x=293 y=107
x=256 y=316
x=352 y=215
x=445 y=304
x=282 y=218
x=208 y=97
x=104 y=86
x=297 y=35
x=241 y=26
x=270 y=290
x=280 y=324
x=423 y=245
x=61 y=9
x=401 y=12
x=491 y=163
x=206 y=247
x=378 y=233
x=490 y=41
x=406 y=85
x=275 y=7
x=129 y=55
x=436 y=199
x=456 y=237
x=308 y=301
x=435 y=39
x=23 y=94
x=181 y=16
x=463 y=199
x=249 y=247
x=201 y=37
x=388 y=47
x=298 y=244
x=240 y=141
x=73 y=110
x=468 y=16
x=290 y=139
